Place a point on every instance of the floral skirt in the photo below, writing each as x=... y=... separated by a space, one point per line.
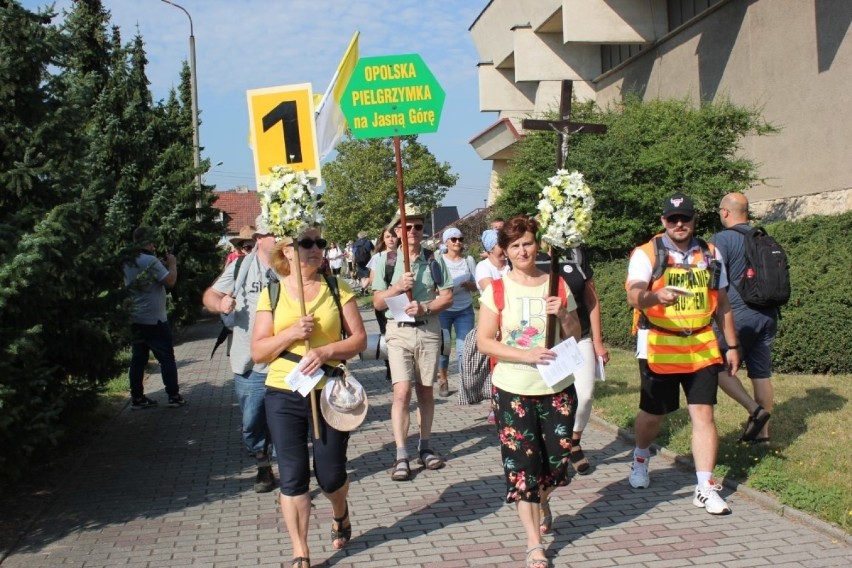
x=535 y=440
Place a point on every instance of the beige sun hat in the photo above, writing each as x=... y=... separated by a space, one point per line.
x=246 y=234
x=410 y=211
x=344 y=403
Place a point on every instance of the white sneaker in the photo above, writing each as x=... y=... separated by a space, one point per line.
x=639 y=477
x=707 y=496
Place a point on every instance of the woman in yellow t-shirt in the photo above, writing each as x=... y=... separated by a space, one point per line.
x=534 y=420
x=288 y=413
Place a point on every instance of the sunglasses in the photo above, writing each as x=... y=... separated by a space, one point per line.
x=675 y=219
x=416 y=227
x=308 y=243
x=248 y=247
x=456 y=239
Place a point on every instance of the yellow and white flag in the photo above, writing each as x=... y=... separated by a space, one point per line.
x=331 y=124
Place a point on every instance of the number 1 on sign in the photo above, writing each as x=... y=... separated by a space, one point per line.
x=287 y=114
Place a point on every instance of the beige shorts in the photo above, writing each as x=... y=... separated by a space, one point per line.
x=413 y=351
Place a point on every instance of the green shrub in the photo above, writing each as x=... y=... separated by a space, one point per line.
x=616 y=315
x=815 y=330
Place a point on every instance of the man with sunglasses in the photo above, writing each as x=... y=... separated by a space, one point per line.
x=238 y=292
x=413 y=346
x=677 y=283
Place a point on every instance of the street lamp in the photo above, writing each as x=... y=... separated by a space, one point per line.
x=196 y=154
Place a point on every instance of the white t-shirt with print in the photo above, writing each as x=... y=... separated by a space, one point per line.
x=523 y=325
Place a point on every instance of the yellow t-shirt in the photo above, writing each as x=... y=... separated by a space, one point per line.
x=522 y=325
x=326 y=327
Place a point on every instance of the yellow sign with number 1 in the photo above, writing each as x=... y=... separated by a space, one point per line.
x=282 y=130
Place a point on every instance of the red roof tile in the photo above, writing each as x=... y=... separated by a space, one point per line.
x=239 y=208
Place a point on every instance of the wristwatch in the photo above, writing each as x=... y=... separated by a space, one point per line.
x=428 y=309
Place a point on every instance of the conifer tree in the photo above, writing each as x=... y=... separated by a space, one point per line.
x=182 y=208
x=56 y=343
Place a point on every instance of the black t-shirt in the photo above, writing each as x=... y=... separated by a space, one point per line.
x=575 y=275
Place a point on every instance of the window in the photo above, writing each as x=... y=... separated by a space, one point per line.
x=614 y=54
x=681 y=11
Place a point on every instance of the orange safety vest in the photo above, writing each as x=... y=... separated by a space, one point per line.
x=680 y=337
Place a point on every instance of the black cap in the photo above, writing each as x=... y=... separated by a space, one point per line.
x=678 y=204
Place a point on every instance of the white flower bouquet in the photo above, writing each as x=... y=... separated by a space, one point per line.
x=288 y=202
x=565 y=209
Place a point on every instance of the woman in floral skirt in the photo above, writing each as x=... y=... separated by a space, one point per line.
x=534 y=420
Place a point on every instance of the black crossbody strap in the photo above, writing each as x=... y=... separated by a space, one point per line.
x=327 y=369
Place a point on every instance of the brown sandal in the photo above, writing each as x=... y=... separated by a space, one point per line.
x=579 y=461
x=401 y=470
x=301 y=561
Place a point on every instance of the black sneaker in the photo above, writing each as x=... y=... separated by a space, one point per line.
x=265 y=481
x=176 y=401
x=142 y=403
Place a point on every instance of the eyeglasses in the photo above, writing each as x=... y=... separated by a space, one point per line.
x=308 y=243
x=456 y=239
x=248 y=247
x=675 y=219
x=416 y=227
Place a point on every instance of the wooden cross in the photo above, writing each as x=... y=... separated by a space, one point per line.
x=565 y=128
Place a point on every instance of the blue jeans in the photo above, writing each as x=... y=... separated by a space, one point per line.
x=250 y=388
x=158 y=339
x=462 y=320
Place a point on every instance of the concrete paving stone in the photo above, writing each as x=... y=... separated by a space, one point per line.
x=636 y=558
x=747 y=562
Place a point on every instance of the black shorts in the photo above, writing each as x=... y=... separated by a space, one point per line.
x=660 y=394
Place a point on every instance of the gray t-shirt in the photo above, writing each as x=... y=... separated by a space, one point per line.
x=244 y=310
x=144 y=277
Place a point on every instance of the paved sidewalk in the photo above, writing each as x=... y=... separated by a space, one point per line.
x=173 y=487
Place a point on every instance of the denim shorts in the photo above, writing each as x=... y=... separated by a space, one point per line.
x=756 y=332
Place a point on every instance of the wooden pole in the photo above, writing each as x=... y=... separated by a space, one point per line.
x=313 y=394
x=553 y=290
x=400 y=190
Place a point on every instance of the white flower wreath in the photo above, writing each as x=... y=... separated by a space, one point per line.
x=565 y=209
x=288 y=202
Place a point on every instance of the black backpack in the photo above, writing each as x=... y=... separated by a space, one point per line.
x=765 y=283
x=361 y=251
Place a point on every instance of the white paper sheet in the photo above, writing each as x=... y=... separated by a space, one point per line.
x=396 y=305
x=600 y=372
x=642 y=344
x=568 y=359
x=303 y=383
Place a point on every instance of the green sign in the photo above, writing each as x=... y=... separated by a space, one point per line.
x=390 y=96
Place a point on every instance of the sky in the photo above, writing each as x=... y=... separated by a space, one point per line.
x=250 y=44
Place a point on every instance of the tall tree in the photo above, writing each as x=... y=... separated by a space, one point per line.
x=361 y=186
x=55 y=340
x=181 y=208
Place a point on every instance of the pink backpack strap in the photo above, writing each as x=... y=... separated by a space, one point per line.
x=499 y=293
